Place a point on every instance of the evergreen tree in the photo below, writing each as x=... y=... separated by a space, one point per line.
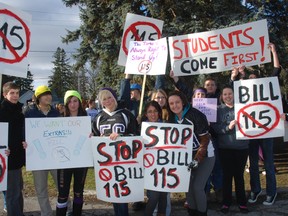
x=62 y=78
x=103 y=22
x=23 y=83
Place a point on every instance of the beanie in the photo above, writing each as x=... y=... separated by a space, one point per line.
x=70 y=93
x=110 y=90
x=41 y=90
x=135 y=86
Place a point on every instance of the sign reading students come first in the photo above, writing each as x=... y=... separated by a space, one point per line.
x=15 y=40
x=138 y=28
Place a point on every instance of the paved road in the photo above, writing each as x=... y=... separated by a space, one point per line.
x=99 y=208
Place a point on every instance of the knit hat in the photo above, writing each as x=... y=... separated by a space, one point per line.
x=70 y=93
x=41 y=90
x=135 y=86
x=110 y=90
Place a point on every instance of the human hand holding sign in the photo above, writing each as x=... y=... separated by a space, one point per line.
x=232 y=124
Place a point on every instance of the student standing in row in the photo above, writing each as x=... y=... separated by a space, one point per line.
x=233 y=153
x=153 y=113
x=73 y=108
x=11 y=112
x=181 y=112
x=114 y=121
x=43 y=109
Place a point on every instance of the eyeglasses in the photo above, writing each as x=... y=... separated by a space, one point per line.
x=160 y=98
x=152 y=111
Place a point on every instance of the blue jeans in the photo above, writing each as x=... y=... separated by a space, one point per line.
x=14 y=196
x=120 y=209
x=267 y=149
x=216 y=177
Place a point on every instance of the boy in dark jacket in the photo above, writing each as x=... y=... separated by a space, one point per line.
x=11 y=112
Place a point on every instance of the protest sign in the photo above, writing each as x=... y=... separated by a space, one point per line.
x=58 y=143
x=15 y=35
x=3 y=157
x=207 y=106
x=258 y=106
x=118 y=166
x=167 y=152
x=138 y=28
x=220 y=50
x=147 y=57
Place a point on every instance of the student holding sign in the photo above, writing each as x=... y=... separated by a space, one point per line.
x=114 y=121
x=181 y=112
x=153 y=113
x=42 y=109
x=265 y=144
x=11 y=112
x=233 y=153
x=73 y=107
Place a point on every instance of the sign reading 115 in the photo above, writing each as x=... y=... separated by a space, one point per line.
x=163 y=181
x=125 y=190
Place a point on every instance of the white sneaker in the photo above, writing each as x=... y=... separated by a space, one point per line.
x=270 y=200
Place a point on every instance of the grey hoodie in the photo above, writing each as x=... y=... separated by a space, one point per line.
x=226 y=138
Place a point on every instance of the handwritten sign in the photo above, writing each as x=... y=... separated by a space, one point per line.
x=15 y=36
x=168 y=151
x=3 y=157
x=207 y=106
x=119 y=170
x=220 y=50
x=57 y=143
x=147 y=57
x=138 y=28
x=258 y=106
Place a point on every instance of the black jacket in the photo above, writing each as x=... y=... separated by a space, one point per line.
x=12 y=113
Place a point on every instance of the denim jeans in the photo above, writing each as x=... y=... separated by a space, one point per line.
x=216 y=177
x=233 y=163
x=267 y=149
x=120 y=209
x=14 y=196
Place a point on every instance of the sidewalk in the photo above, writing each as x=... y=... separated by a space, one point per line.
x=99 y=208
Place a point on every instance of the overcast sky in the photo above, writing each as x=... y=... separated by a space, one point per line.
x=50 y=19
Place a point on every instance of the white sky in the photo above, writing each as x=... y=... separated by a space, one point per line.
x=50 y=19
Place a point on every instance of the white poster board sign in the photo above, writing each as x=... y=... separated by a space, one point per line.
x=118 y=166
x=168 y=151
x=207 y=106
x=15 y=35
x=220 y=50
x=58 y=143
x=147 y=57
x=138 y=28
x=3 y=157
x=258 y=106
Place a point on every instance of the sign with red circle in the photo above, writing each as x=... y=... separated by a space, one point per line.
x=148 y=160
x=15 y=36
x=105 y=174
x=259 y=122
x=138 y=28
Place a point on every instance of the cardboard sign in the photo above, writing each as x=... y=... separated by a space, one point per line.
x=258 y=106
x=118 y=166
x=15 y=35
x=138 y=28
x=168 y=151
x=207 y=106
x=3 y=157
x=147 y=57
x=58 y=143
x=220 y=50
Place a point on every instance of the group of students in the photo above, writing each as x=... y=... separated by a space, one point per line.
x=212 y=142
